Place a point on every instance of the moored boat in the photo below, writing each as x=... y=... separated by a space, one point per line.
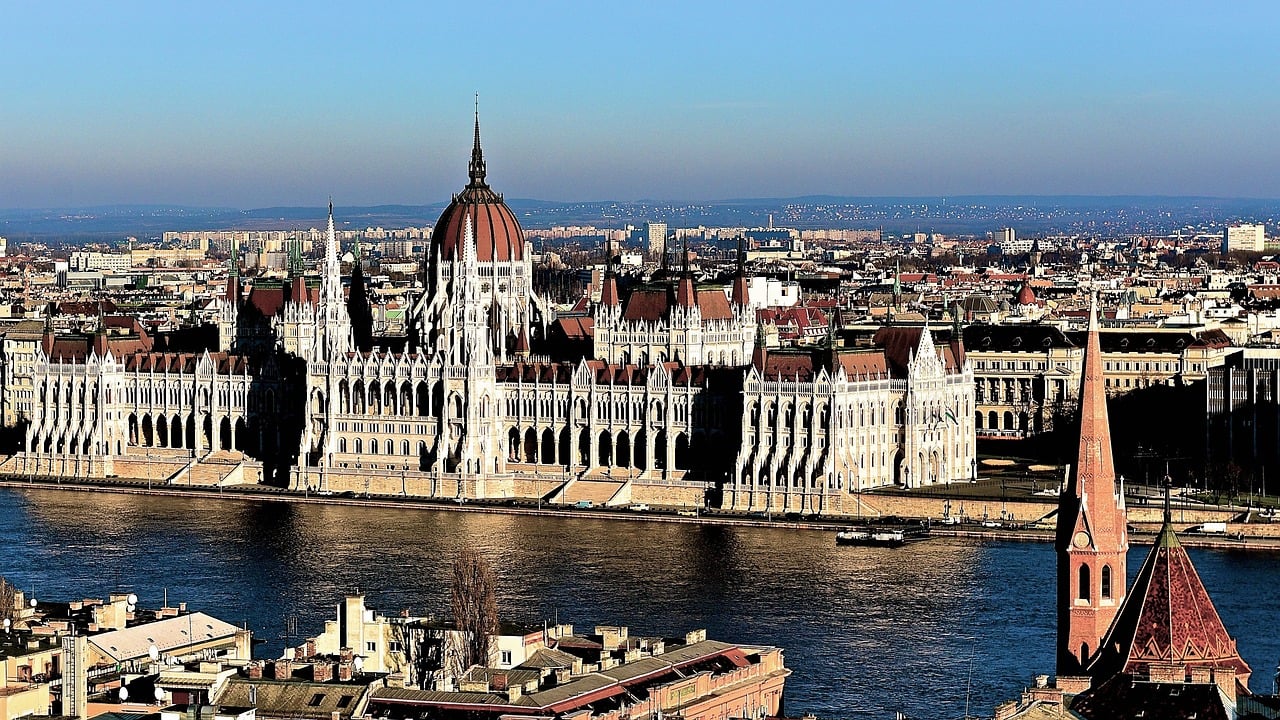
x=871 y=538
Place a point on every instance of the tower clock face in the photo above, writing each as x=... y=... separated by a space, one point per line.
x=1081 y=539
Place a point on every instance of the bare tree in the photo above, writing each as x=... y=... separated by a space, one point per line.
x=8 y=600
x=475 y=604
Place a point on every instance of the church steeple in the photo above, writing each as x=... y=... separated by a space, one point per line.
x=1092 y=535
x=477 y=169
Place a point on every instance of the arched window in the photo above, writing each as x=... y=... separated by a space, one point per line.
x=1083 y=589
x=1106 y=582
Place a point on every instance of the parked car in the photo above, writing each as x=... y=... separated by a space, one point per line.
x=584 y=504
x=640 y=507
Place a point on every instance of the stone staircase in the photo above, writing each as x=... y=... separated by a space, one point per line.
x=155 y=464
x=599 y=493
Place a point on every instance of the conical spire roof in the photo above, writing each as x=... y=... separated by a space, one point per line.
x=1168 y=617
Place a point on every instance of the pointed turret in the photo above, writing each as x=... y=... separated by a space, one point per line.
x=46 y=338
x=233 y=274
x=957 y=336
x=686 y=296
x=609 y=290
x=359 y=311
x=476 y=169
x=740 y=297
x=1092 y=537
x=99 y=341
x=760 y=355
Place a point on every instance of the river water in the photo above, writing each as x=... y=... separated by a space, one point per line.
x=867 y=631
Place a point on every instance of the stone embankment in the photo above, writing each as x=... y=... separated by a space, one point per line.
x=1239 y=536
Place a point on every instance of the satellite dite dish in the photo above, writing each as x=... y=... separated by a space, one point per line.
x=358 y=663
x=154 y=652
x=7 y=623
x=124 y=693
x=132 y=599
x=159 y=694
x=33 y=602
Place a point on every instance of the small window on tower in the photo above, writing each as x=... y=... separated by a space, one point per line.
x=1083 y=590
x=1106 y=582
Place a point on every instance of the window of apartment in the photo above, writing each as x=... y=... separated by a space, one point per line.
x=371 y=647
x=394 y=645
x=506 y=657
x=344 y=701
x=316 y=700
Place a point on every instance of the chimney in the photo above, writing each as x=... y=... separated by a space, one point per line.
x=282 y=670
x=345 y=671
x=311 y=647
x=254 y=670
x=346 y=654
x=322 y=672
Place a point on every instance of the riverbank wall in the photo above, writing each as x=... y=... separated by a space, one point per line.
x=1239 y=536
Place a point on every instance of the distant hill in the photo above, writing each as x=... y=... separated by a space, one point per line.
x=970 y=214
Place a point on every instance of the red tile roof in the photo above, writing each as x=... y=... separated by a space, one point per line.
x=1168 y=617
x=653 y=304
x=270 y=298
x=899 y=343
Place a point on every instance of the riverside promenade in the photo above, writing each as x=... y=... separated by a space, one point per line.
x=893 y=506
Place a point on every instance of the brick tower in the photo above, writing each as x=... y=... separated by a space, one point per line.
x=1092 y=536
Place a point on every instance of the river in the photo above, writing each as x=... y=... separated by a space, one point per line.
x=867 y=631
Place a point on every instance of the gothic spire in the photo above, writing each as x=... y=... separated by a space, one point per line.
x=331 y=238
x=477 y=170
x=1095 y=472
x=1092 y=537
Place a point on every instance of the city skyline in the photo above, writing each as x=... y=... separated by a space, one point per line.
x=252 y=107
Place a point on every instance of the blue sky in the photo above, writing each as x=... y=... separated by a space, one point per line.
x=285 y=103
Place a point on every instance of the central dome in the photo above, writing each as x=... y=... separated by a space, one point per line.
x=497 y=232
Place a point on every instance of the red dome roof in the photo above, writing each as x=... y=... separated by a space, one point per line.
x=497 y=232
x=1026 y=296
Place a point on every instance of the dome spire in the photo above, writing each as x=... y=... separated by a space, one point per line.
x=477 y=156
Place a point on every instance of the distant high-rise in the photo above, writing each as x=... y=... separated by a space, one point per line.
x=655 y=237
x=1244 y=237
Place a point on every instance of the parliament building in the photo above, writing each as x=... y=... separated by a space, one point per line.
x=678 y=403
